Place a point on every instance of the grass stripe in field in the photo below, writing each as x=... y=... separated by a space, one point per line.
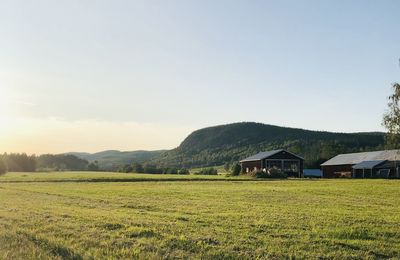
x=102 y=176
x=113 y=177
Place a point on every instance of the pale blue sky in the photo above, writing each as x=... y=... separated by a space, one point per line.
x=183 y=65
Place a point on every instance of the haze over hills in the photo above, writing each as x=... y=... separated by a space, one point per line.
x=229 y=143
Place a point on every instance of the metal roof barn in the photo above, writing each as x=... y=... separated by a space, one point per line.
x=368 y=164
x=363 y=165
x=355 y=158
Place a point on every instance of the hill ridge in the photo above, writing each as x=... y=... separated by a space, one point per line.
x=216 y=145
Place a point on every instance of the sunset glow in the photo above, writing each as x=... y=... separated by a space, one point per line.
x=141 y=75
x=6 y=112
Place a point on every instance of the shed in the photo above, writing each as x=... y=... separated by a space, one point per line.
x=363 y=165
x=281 y=159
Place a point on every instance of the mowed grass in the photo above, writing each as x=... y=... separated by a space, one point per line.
x=200 y=219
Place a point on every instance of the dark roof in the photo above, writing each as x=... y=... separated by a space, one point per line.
x=368 y=164
x=355 y=158
x=263 y=155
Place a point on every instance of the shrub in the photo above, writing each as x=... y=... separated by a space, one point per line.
x=227 y=166
x=236 y=169
x=183 y=171
x=276 y=173
x=208 y=171
x=152 y=169
x=126 y=168
x=3 y=167
x=137 y=167
x=170 y=171
x=270 y=173
x=93 y=166
x=257 y=174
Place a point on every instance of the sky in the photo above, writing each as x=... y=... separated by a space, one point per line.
x=79 y=75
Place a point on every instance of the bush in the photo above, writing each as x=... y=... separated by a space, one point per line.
x=152 y=169
x=257 y=174
x=170 y=171
x=137 y=167
x=183 y=171
x=227 y=167
x=126 y=168
x=236 y=169
x=3 y=167
x=207 y=171
x=270 y=173
x=93 y=166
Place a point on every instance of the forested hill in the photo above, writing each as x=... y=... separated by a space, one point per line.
x=229 y=143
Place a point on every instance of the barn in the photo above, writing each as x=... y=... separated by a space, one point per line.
x=377 y=164
x=288 y=162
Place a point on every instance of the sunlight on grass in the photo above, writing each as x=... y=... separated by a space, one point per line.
x=305 y=219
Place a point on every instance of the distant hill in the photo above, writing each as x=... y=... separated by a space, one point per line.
x=229 y=143
x=112 y=159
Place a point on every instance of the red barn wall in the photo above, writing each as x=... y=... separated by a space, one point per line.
x=251 y=165
x=337 y=171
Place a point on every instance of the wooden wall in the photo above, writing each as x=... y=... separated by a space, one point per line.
x=288 y=156
x=336 y=171
x=250 y=165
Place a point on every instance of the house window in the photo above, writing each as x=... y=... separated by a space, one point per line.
x=274 y=164
x=291 y=166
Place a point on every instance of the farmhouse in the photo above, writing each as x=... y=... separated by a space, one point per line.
x=288 y=162
x=378 y=164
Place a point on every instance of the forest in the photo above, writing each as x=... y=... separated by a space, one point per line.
x=21 y=162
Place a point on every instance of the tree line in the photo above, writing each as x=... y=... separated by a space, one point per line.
x=151 y=168
x=21 y=162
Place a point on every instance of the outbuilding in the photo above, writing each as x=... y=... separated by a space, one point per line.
x=287 y=162
x=377 y=164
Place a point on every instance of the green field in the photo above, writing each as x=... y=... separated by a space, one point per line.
x=156 y=218
x=101 y=176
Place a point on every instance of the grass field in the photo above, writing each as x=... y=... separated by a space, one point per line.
x=198 y=219
x=100 y=176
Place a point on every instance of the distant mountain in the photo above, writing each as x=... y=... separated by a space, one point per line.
x=112 y=159
x=229 y=143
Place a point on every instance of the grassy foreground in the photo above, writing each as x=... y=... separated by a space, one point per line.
x=271 y=219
